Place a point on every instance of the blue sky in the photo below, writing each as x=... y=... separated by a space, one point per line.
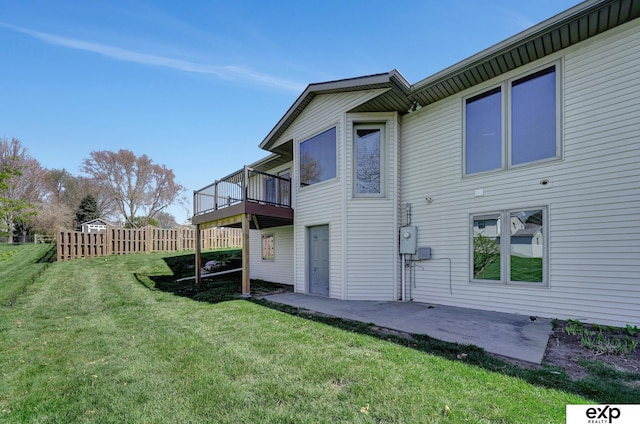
x=197 y=85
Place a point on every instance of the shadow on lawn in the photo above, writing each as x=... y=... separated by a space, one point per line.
x=609 y=388
x=212 y=289
x=47 y=258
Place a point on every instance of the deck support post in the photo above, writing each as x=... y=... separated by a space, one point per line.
x=246 y=282
x=198 y=254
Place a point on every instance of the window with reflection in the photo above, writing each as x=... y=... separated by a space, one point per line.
x=368 y=166
x=509 y=246
x=318 y=158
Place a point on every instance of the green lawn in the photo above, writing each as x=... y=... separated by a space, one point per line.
x=20 y=264
x=95 y=340
x=522 y=269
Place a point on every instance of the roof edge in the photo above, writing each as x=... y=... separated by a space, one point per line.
x=509 y=43
x=348 y=84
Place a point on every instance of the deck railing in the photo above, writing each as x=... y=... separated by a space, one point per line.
x=246 y=185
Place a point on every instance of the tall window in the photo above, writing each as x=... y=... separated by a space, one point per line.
x=509 y=246
x=318 y=158
x=514 y=124
x=486 y=247
x=484 y=132
x=368 y=160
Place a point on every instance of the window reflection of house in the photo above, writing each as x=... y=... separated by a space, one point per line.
x=527 y=241
x=489 y=225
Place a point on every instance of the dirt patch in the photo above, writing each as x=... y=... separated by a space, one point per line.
x=567 y=351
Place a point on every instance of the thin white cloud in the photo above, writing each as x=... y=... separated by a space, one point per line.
x=518 y=21
x=226 y=72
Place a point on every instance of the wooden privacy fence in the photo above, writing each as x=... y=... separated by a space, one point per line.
x=119 y=241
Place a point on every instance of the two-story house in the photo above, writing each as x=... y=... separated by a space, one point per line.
x=378 y=189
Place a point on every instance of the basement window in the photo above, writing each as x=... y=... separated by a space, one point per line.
x=268 y=247
x=509 y=246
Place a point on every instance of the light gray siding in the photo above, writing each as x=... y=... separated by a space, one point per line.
x=322 y=203
x=372 y=223
x=593 y=198
x=280 y=269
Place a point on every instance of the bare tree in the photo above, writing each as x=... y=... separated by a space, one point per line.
x=69 y=190
x=137 y=185
x=310 y=169
x=23 y=189
x=165 y=220
x=52 y=216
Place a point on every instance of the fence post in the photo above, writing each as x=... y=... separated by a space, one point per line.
x=60 y=241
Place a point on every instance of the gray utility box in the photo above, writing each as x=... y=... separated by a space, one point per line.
x=408 y=240
x=423 y=253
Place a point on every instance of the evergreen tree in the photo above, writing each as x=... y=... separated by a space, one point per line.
x=87 y=211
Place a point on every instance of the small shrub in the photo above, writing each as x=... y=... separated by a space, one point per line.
x=574 y=327
x=632 y=330
x=603 y=339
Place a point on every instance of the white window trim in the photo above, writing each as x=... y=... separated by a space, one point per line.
x=505 y=114
x=505 y=248
x=383 y=159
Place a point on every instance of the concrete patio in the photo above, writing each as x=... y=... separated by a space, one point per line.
x=509 y=335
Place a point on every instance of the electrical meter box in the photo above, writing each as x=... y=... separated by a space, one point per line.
x=408 y=240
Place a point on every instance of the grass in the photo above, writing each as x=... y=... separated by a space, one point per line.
x=526 y=269
x=100 y=340
x=522 y=269
x=20 y=265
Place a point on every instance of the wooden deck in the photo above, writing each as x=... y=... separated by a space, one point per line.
x=262 y=216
